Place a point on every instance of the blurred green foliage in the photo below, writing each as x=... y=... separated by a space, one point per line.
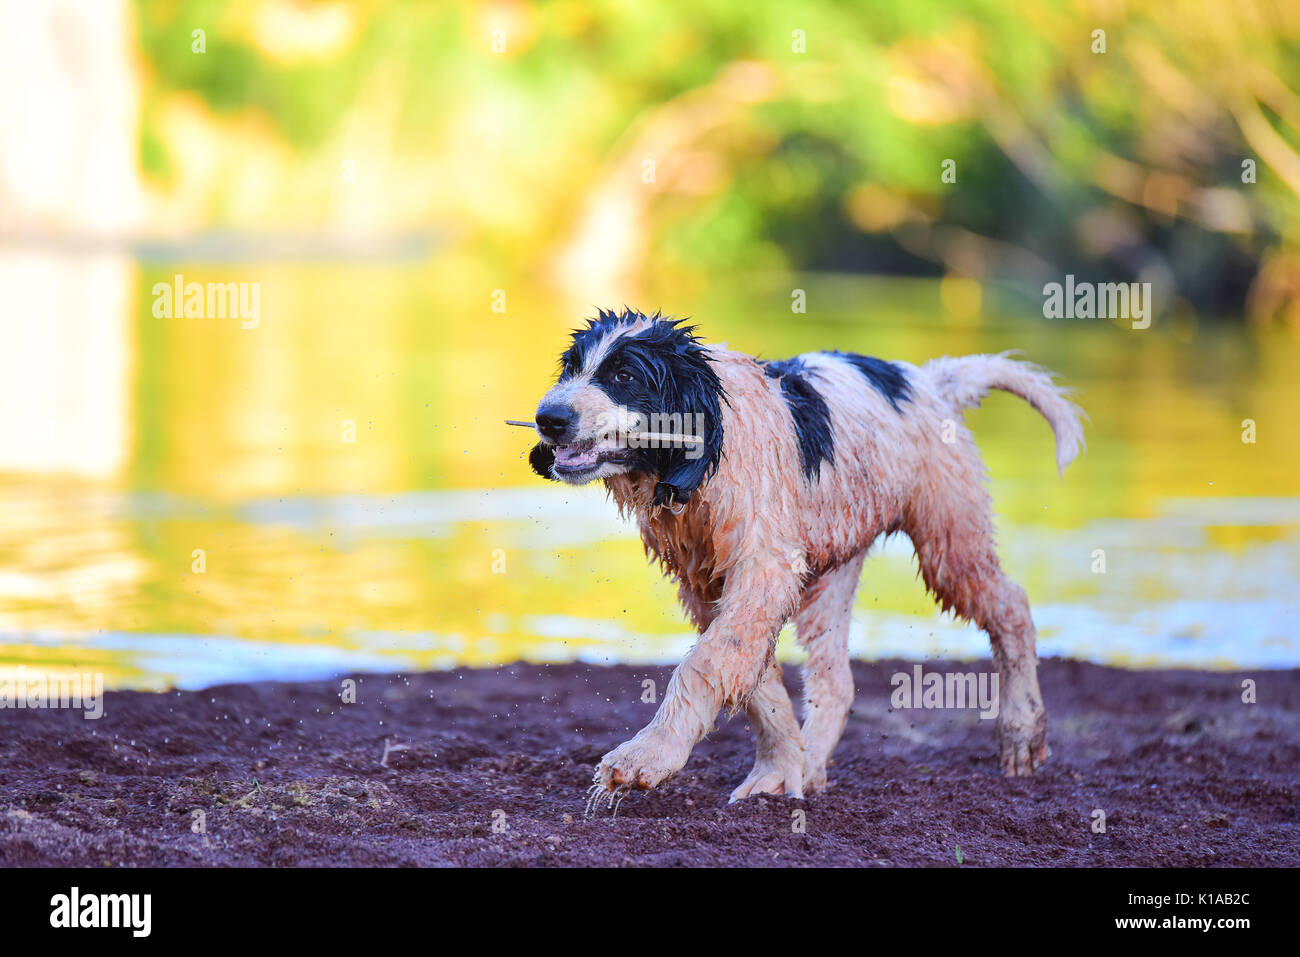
x=1125 y=163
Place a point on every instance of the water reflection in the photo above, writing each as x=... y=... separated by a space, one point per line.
x=343 y=474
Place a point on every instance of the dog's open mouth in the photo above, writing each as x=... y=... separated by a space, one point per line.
x=584 y=456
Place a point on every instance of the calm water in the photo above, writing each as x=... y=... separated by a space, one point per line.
x=143 y=450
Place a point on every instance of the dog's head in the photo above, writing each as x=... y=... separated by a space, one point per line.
x=627 y=374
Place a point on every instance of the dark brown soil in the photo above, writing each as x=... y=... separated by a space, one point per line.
x=287 y=775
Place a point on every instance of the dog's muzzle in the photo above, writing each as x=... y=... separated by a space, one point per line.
x=555 y=422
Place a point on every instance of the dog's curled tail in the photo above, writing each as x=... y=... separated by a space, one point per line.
x=966 y=380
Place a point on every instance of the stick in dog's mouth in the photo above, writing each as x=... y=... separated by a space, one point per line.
x=664 y=438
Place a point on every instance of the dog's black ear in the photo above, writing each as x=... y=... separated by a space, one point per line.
x=685 y=475
x=541 y=458
x=695 y=389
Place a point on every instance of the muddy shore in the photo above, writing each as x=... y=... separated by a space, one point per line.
x=490 y=767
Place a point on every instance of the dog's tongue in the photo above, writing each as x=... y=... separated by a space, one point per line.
x=576 y=458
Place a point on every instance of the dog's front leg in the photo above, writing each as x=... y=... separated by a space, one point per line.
x=721 y=671
x=778 y=765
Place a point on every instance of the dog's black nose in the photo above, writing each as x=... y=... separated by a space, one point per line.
x=554 y=420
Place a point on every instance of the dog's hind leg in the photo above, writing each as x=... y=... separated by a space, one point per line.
x=954 y=547
x=823 y=629
x=1022 y=719
x=778 y=766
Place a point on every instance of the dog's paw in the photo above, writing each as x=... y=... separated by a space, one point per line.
x=772 y=776
x=1022 y=747
x=643 y=763
x=814 y=780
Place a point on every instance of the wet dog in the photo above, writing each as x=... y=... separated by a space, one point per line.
x=765 y=511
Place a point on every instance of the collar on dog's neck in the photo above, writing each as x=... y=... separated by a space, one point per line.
x=635 y=492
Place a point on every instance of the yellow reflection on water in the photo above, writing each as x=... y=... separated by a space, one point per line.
x=333 y=490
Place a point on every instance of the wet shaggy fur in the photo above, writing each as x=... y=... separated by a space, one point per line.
x=806 y=462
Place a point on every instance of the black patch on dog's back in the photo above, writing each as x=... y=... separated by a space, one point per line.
x=887 y=377
x=812 y=417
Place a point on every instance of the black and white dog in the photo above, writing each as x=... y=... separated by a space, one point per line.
x=792 y=470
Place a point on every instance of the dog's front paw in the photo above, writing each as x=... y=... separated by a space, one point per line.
x=643 y=763
x=1022 y=744
x=773 y=775
x=814 y=778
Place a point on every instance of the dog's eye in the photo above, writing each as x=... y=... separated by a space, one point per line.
x=623 y=377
